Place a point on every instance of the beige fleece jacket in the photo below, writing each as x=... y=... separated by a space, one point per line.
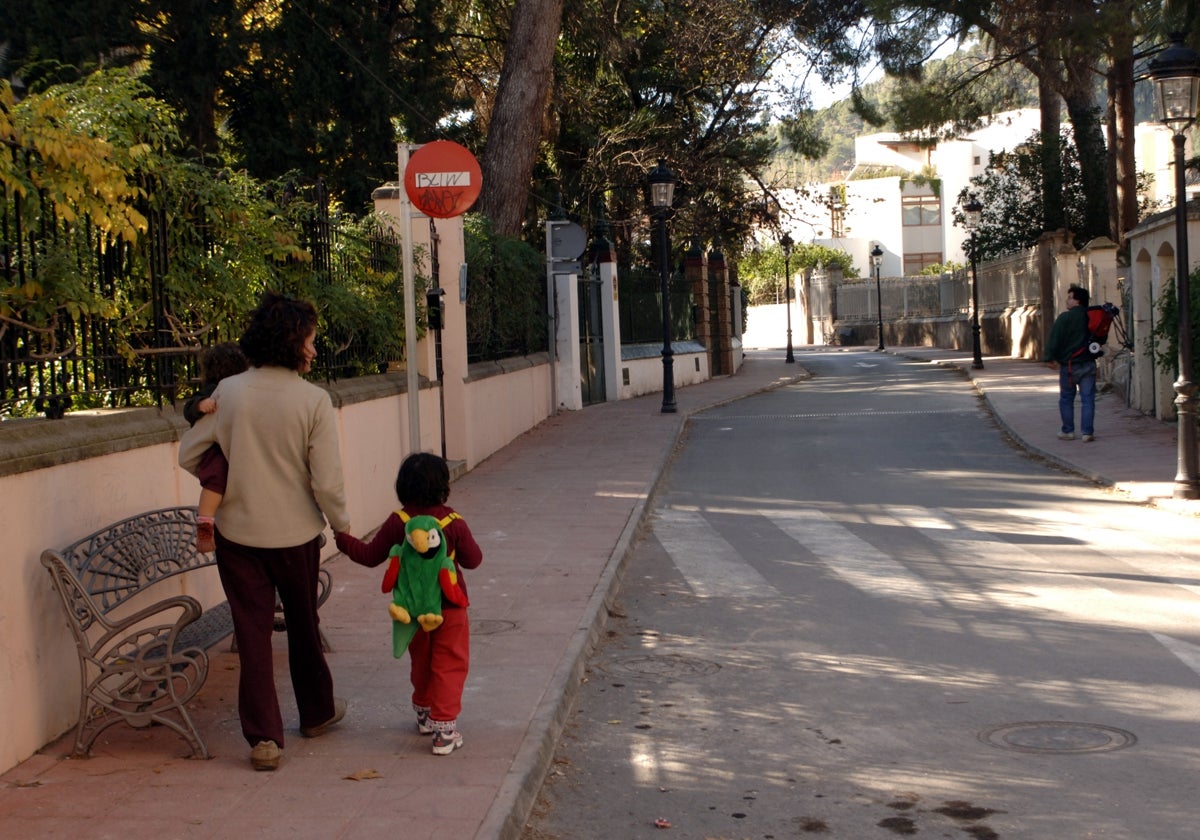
x=279 y=434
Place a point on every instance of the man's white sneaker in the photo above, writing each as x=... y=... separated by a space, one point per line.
x=1066 y=436
x=1088 y=438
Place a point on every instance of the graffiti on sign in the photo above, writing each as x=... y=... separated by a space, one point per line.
x=442 y=179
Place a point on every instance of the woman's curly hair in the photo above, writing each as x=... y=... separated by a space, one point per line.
x=277 y=331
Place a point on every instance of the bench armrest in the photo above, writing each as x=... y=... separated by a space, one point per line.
x=120 y=631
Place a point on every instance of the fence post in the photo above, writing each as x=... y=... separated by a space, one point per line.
x=602 y=256
x=722 y=319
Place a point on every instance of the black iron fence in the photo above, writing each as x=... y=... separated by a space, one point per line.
x=122 y=340
x=639 y=294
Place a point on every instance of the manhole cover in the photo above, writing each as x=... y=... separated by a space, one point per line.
x=491 y=626
x=1057 y=736
x=670 y=665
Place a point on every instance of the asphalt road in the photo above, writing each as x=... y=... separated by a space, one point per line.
x=860 y=612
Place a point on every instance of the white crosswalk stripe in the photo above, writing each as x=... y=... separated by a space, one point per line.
x=851 y=558
x=712 y=567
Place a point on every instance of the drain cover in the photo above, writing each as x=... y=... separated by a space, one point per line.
x=670 y=665
x=491 y=626
x=1057 y=736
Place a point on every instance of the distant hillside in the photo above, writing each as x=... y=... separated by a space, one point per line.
x=935 y=100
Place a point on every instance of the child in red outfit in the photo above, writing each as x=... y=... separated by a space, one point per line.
x=439 y=658
x=216 y=363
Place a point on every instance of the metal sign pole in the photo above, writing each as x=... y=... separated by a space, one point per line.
x=410 y=309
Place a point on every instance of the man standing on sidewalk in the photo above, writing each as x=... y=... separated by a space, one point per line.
x=1068 y=336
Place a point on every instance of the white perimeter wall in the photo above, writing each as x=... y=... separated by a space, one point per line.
x=56 y=505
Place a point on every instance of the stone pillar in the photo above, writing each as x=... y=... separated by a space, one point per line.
x=695 y=271
x=722 y=347
x=602 y=258
x=569 y=390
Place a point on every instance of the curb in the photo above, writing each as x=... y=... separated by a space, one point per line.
x=514 y=802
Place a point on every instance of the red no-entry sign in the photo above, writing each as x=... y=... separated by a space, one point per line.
x=442 y=179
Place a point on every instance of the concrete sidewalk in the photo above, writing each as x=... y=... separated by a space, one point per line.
x=555 y=513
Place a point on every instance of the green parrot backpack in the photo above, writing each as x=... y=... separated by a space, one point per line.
x=419 y=574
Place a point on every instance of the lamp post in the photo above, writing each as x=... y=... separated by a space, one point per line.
x=972 y=212
x=785 y=243
x=877 y=261
x=1176 y=73
x=662 y=191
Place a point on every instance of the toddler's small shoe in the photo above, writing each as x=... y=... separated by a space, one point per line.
x=445 y=743
x=265 y=755
x=423 y=726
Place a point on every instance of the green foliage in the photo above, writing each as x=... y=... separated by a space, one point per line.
x=87 y=150
x=94 y=174
x=942 y=268
x=958 y=93
x=1166 y=328
x=1010 y=191
x=506 y=293
x=761 y=271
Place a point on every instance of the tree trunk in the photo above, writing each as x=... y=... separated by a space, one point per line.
x=1093 y=170
x=515 y=131
x=1121 y=136
x=1054 y=216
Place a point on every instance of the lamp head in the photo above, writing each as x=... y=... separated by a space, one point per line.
x=785 y=243
x=972 y=212
x=877 y=256
x=662 y=185
x=1176 y=73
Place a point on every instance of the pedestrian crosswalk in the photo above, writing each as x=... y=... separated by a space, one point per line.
x=1031 y=562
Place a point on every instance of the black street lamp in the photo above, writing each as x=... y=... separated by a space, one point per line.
x=877 y=261
x=662 y=191
x=972 y=212
x=785 y=242
x=1176 y=72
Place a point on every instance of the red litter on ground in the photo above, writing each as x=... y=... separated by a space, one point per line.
x=442 y=179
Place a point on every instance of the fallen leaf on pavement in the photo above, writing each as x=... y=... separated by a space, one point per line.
x=661 y=823
x=360 y=775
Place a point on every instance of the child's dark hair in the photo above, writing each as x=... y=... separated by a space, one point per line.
x=221 y=360
x=423 y=480
x=1080 y=294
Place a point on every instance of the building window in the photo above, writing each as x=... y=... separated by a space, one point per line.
x=917 y=262
x=920 y=210
x=837 y=211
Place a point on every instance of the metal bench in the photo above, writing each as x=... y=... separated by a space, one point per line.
x=141 y=667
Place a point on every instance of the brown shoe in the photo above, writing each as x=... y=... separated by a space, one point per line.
x=206 y=539
x=339 y=712
x=265 y=755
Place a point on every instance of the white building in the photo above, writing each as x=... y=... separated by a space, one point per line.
x=901 y=191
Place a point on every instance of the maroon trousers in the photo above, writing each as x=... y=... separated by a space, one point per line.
x=250 y=577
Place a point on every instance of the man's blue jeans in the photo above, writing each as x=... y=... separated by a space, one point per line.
x=1079 y=374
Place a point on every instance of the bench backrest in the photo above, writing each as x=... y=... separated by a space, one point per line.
x=120 y=560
